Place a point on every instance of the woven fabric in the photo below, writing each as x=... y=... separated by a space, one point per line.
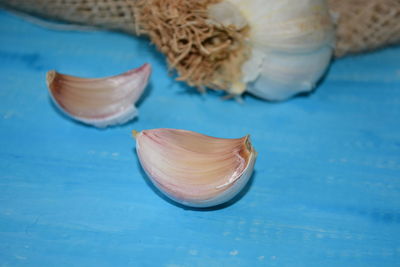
x=363 y=25
x=108 y=14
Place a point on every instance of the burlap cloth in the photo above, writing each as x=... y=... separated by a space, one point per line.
x=365 y=25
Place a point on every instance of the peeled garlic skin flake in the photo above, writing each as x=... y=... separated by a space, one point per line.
x=99 y=102
x=194 y=169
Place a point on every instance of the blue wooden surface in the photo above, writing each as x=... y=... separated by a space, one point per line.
x=326 y=189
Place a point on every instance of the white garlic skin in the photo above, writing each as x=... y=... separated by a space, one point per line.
x=284 y=75
x=291 y=41
x=180 y=173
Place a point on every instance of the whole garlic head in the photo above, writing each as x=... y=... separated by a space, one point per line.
x=291 y=44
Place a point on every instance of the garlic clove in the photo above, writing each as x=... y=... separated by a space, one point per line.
x=284 y=75
x=194 y=169
x=100 y=101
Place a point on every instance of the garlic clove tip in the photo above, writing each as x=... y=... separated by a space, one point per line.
x=134 y=133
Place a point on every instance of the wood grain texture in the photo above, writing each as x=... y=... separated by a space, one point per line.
x=326 y=189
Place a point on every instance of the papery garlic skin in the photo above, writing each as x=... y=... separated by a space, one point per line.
x=194 y=169
x=291 y=42
x=99 y=102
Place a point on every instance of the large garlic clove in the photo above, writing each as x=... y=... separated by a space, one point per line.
x=101 y=101
x=194 y=169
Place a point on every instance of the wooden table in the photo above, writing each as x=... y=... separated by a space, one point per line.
x=326 y=188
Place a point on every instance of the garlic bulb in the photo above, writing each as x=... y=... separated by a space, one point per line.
x=194 y=169
x=291 y=44
x=102 y=101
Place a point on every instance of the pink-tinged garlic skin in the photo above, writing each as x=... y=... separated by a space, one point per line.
x=194 y=169
x=99 y=102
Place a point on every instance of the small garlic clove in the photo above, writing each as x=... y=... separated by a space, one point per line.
x=194 y=169
x=100 y=101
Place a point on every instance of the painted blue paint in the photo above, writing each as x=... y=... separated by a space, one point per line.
x=326 y=189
